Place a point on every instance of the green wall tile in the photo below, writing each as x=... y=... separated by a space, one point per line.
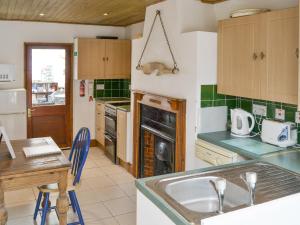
x=229 y=97
x=231 y=103
x=217 y=96
x=219 y=103
x=210 y=98
x=289 y=113
x=115 y=85
x=113 y=88
x=246 y=105
x=271 y=110
x=207 y=92
x=107 y=84
x=205 y=104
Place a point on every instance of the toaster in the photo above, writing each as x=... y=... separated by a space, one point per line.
x=282 y=134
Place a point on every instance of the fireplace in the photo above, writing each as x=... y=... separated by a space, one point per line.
x=157 y=141
x=159 y=135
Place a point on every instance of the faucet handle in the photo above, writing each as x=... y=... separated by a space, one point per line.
x=251 y=178
x=220 y=187
x=220 y=184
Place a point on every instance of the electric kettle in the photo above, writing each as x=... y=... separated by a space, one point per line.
x=240 y=124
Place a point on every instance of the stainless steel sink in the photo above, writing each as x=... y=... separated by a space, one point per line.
x=198 y=194
x=194 y=197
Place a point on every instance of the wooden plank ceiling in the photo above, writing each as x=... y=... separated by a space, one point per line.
x=120 y=12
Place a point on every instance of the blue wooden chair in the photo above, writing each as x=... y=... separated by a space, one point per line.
x=78 y=157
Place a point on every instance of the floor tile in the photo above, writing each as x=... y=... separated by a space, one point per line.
x=103 y=181
x=113 y=169
x=95 y=212
x=87 y=197
x=126 y=219
x=106 y=194
x=92 y=172
x=120 y=206
x=19 y=196
x=51 y=220
x=133 y=198
x=128 y=188
x=20 y=210
x=122 y=177
x=90 y=164
x=108 y=221
x=109 y=193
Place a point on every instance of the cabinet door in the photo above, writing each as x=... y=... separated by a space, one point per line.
x=238 y=63
x=121 y=134
x=282 y=56
x=100 y=123
x=118 y=59
x=91 y=59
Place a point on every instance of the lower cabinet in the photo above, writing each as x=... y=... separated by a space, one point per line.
x=123 y=136
x=214 y=154
x=100 y=123
x=148 y=214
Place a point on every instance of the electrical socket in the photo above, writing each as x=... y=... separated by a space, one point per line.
x=280 y=114
x=99 y=87
x=259 y=110
x=297 y=117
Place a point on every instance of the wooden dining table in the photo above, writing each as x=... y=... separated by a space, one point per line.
x=22 y=172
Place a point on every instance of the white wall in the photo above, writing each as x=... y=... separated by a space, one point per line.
x=195 y=53
x=195 y=16
x=223 y=10
x=135 y=30
x=12 y=38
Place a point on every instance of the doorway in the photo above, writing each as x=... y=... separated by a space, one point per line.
x=48 y=86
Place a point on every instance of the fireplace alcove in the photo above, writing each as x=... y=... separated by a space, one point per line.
x=158 y=134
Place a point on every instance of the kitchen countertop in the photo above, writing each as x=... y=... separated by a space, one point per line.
x=125 y=108
x=217 y=138
x=112 y=99
x=288 y=159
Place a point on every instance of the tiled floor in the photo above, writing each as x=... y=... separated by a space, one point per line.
x=106 y=195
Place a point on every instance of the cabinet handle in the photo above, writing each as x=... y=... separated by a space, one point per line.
x=106 y=58
x=297 y=53
x=255 y=56
x=262 y=55
x=103 y=58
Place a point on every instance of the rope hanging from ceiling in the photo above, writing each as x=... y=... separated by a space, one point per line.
x=162 y=68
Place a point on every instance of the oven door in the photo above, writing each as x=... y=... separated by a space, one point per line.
x=110 y=125
x=157 y=153
x=110 y=148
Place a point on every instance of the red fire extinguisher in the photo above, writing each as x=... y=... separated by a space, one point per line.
x=82 y=88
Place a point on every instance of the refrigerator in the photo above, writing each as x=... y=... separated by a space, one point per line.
x=13 y=113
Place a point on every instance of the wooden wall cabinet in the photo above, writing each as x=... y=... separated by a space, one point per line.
x=258 y=56
x=102 y=59
x=281 y=60
x=100 y=123
x=238 y=42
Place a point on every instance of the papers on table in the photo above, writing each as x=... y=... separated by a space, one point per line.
x=47 y=148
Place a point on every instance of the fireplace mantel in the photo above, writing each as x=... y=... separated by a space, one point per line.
x=170 y=104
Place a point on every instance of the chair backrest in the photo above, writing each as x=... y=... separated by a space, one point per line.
x=79 y=153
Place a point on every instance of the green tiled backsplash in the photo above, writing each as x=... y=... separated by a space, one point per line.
x=113 y=88
x=210 y=98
